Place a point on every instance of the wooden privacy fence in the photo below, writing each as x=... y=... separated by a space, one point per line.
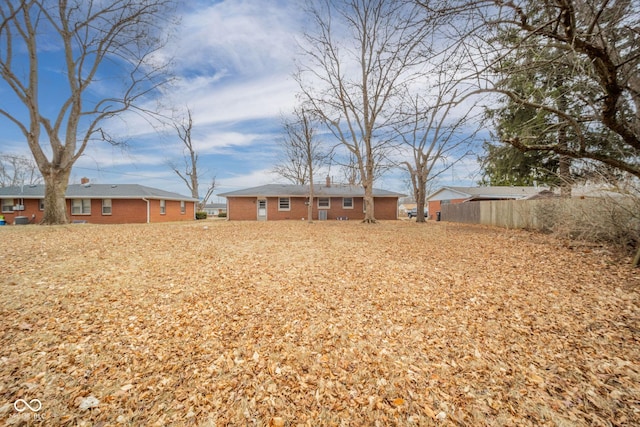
x=607 y=217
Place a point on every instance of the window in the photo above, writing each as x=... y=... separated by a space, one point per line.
x=7 y=205
x=41 y=204
x=284 y=204
x=163 y=207
x=106 y=206
x=183 y=207
x=347 y=203
x=324 y=203
x=81 y=207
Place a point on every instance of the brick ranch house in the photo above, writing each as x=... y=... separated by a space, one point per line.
x=99 y=204
x=470 y=194
x=286 y=201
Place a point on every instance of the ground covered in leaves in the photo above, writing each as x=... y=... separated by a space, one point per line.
x=216 y=323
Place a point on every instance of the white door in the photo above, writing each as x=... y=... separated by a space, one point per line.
x=262 y=210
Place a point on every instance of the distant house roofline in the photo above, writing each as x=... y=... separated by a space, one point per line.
x=96 y=191
x=319 y=190
x=489 y=192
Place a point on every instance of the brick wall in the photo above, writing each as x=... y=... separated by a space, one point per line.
x=123 y=211
x=242 y=208
x=172 y=211
x=31 y=207
x=245 y=209
x=385 y=208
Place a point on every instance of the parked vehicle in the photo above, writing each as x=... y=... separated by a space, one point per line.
x=412 y=213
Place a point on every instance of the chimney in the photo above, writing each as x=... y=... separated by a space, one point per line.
x=84 y=180
x=328 y=181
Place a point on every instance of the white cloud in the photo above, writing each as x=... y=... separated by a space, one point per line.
x=234 y=60
x=101 y=155
x=239 y=38
x=214 y=142
x=251 y=179
x=250 y=99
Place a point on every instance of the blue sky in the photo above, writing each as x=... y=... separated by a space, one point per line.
x=235 y=61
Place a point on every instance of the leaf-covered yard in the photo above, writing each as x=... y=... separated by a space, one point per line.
x=327 y=324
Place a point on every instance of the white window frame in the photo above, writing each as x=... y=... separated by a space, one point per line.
x=80 y=206
x=107 y=207
x=41 y=204
x=322 y=206
x=287 y=201
x=183 y=207
x=163 y=207
x=7 y=205
x=350 y=206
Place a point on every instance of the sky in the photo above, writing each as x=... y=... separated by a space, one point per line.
x=234 y=61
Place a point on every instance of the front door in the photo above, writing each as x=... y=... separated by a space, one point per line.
x=262 y=210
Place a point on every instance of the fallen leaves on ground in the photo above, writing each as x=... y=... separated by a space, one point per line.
x=324 y=324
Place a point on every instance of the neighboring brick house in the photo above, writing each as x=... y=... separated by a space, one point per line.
x=99 y=204
x=470 y=194
x=330 y=201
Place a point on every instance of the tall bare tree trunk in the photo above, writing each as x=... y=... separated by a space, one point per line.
x=369 y=206
x=55 y=189
x=310 y=207
x=367 y=184
x=420 y=200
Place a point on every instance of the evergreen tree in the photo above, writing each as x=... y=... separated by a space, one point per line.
x=567 y=74
x=503 y=164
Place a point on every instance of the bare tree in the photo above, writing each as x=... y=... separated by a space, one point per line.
x=189 y=170
x=303 y=153
x=92 y=39
x=594 y=43
x=207 y=195
x=292 y=165
x=349 y=170
x=18 y=170
x=437 y=136
x=360 y=54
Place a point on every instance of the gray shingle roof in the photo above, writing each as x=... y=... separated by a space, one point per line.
x=97 y=191
x=489 y=192
x=506 y=191
x=319 y=190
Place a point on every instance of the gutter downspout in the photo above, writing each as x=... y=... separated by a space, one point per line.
x=147 y=200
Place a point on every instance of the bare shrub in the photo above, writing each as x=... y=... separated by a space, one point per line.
x=546 y=214
x=613 y=219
